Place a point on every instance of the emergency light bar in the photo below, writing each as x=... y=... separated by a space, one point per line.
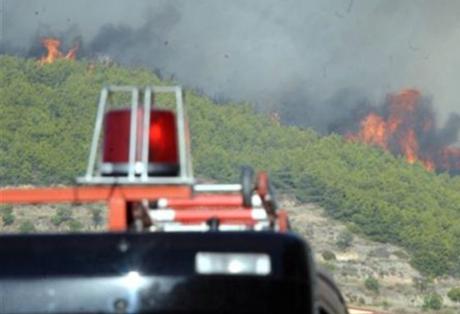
x=141 y=144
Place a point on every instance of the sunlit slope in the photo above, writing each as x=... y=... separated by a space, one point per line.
x=46 y=118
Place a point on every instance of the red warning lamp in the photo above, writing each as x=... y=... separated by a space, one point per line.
x=162 y=143
x=162 y=137
x=116 y=136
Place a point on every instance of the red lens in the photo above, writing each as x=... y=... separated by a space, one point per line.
x=116 y=139
x=162 y=137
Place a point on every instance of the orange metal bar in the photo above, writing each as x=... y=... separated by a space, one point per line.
x=117 y=218
x=88 y=194
x=283 y=221
x=262 y=184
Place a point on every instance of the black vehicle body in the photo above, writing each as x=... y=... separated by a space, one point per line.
x=87 y=273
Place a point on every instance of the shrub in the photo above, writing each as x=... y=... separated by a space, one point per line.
x=27 y=227
x=97 y=218
x=7 y=215
x=4 y=208
x=75 y=225
x=454 y=294
x=432 y=301
x=372 y=284
x=386 y=305
x=421 y=284
x=344 y=239
x=328 y=255
x=63 y=214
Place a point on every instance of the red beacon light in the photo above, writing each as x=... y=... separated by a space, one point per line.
x=141 y=144
x=162 y=143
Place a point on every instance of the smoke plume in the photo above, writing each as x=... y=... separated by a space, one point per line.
x=316 y=63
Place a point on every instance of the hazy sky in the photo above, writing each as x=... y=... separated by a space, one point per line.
x=266 y=50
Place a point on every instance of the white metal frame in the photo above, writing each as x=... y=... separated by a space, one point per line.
x=138 y=171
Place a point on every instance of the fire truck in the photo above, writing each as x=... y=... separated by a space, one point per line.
x=172 y=245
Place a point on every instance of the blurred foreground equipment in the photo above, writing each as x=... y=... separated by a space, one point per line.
x=173 y=245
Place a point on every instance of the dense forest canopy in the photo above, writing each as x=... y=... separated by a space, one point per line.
x=46 y=118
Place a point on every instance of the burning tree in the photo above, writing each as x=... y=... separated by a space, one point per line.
x=52 y=46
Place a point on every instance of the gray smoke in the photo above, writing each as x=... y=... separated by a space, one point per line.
x=315 y=62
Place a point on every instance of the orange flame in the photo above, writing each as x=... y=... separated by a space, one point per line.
x=429 y=165
x=378 y=131
x=53 y=52
x=374 y=130
x=409 y=146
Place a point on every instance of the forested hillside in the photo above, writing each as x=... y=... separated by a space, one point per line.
x=46 y=118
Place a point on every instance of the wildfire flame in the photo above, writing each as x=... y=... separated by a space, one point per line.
x=52 y=46
x=400 y=129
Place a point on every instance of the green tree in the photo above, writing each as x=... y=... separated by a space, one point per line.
x=432 y=301
x=372 y=284
x=454 y=294
x=344 y=239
